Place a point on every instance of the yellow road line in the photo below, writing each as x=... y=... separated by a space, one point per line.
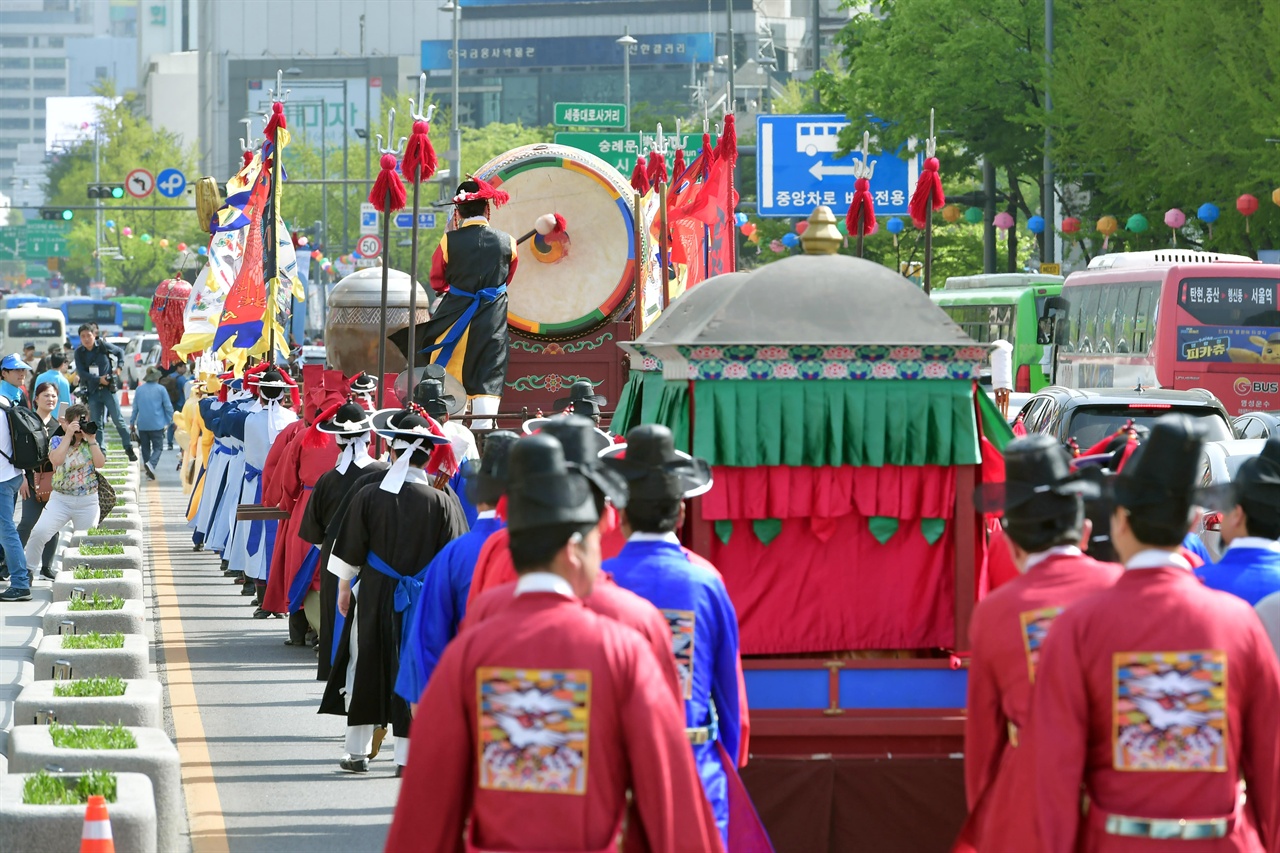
x=204 y=808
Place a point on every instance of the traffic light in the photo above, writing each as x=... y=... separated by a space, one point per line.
x=57 y=213
x=115 y=191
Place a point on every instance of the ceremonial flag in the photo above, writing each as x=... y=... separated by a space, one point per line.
x=246 y=304
x=209 y=293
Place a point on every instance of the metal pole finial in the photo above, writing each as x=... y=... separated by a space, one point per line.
x=391 y=126
x=931 y=144
x=414 y=106
x=275 y=93
x=862 y=168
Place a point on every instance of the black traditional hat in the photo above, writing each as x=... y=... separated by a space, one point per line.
x=430 y=395
x=349 y=419
x=582 y=444
x=654 y=469
x=271 y=384
x=1037 y=470
x=406 y=425
x=545 y=489
x=1158 y=482
x=583 y=399
x=363 y=383
x=1256 y=487
x=486 y=477
x=478 y=189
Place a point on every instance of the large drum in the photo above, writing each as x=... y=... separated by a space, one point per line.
x=351 y=326
x=568 y=287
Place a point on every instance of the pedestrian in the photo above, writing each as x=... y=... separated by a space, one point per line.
x=14 y=373
x=35 y=492
x=1044 y=523
x=583 y=400
x=44 y=364
x=152 y=414
x=11 y=482
x=97 y=365
x=537 y=724
x=75 y=457
x=1155 y=698
x=376 y=545
x=29 y=356
x=1250 y=508
x=56 y=373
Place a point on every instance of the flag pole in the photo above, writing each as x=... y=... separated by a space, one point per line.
x=417 y=177
x=386 y=266
x=271 y=251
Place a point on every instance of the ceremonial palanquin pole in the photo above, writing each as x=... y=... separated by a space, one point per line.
x=419 y=165
x=927 y=198
x=388 y=196
x=861 y=218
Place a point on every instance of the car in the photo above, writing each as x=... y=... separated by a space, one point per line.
x=1257 y=425
x=1090 y=415
x=1219 y=463
x=135 y=356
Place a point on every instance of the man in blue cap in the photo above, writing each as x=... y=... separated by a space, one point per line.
x=14 y=372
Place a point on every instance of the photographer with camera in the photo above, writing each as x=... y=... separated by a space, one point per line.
x=75 y=457
x=96 y=365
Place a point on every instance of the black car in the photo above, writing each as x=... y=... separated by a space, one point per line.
x=1257 y=425
x=1091 y=415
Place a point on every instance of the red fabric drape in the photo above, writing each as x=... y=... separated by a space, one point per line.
x=778 y=491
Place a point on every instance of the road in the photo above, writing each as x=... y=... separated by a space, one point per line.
x=259 y=765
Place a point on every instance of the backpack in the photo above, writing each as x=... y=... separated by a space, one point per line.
x=29 y=439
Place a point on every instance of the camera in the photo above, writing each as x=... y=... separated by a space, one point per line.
x=88 y=427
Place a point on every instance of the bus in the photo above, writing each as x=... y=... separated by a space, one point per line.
x=137 y=313
x=13 y=300
x=31 y=324
x=1011 y=307
x=81 y=309
x=1175 y=319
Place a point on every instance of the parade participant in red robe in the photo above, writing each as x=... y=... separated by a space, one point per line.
x=536 y=725
x=1156 y=698
x=1044 y=526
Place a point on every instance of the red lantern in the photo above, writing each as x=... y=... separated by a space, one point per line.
x=1070 y=225
x=802 y=226
x=1248 y=206
x=182 y=247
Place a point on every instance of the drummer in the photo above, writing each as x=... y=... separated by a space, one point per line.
x=471 y=268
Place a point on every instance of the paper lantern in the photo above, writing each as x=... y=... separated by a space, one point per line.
x=776 y=245
x=1003 y=220
x=302 y=241
x=1137 y=223
x=202 y=251
x=748 y=229
x=842 y=226
x=1208 y=212
x=146 y=238
x=111 y=223
x=1036 y=224
x=1248 y=206
x=952 y=214
x=316 y=255
x=1175 y=218
x=127 y=231
x=182 y=247
x=1275 y=196
x=894 y=225
x=164 y=242
x=790 y=240
x=973 y=215
x=1070 y=225
x=1107 y=226
x=753 y=238
x=802 y=226
x=740 y=219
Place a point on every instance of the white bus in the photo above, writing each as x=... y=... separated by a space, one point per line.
x=31 y=324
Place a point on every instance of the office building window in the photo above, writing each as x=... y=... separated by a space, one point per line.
x=37 y=124
x=15 y=83
x=50 y=83
x=14 y=62
x=15 y=124
x=47 y=62
x=14 y=41
x=6 y=143
x=15 y=103
x=100 y=72
x=37 y=103
x=7 y=163
x=56 y=41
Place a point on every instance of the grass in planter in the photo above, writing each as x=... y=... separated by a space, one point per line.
x=97 y=601
x=83 y=687
x=85 y=573
x=91 y=737
x=87 y=550
x=45 y=790
x=93 y=640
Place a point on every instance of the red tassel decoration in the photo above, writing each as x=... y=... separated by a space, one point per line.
x=168 y=307
x=727 y=147
x=706 y=155
x=277 y=120
x=657 y=172
x=442 y=459
x=928 y=193
x=862 y=201
x=419 y=155
x=489 y=191
x=248 y=157
x=314 y=438
x=639 y=180
x=388 y=190
x=678 y=167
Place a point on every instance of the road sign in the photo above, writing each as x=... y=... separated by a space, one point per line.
x=35 y=241
x=139 y=183
x=369 y=246
x=620 y=149
x=405 y=220
x=1050 y=269
x=797 y=169
x=170 y=183
x=368 y=218
x=10 y=236
x=591 y=115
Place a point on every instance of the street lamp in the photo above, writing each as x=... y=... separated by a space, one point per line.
x=627 y=43
x=455 y=133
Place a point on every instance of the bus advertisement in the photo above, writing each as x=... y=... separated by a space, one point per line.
x=1177 y=320
x=79 y=310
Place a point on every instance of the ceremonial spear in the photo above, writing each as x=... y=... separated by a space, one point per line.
x=861 y=218
x=387 y=196
x=927 y=198
x=419 y=165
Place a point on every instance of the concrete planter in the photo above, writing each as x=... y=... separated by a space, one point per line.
x=130 y=559
x=128 y=662
x=127 y=587
x=139 y=706
x=119 y=537
x=31 y=747
x=121 y=524
x=130 y=619
x=57 y=829
x=15 y=674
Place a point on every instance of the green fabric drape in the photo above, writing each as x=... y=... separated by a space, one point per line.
x=766 y=529
x=882 y=527
x=626 y=412
x=824 y=422
x=995 y=428
x=724 y=530
x=932 y=529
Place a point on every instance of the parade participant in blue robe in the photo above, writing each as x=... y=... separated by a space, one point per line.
x=1250 y=507
x=704 y=626
x=438 y=612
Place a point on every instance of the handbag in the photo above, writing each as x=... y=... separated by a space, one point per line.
x=44 y=485
x=106 y=496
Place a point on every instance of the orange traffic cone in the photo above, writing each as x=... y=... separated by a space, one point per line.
x=96 y=837
x=124 y=394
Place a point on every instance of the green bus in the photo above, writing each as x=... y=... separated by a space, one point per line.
x=137 y=313
x=1020 y=308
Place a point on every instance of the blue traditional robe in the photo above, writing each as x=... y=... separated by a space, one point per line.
x=704 y=630
x=215 y=477
x=440 y=607
x=1249 y=569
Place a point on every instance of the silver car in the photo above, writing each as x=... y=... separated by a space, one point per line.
x=1218 y=465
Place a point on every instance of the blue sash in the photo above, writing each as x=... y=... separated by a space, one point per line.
x=256 y=526
x=451 y=338
x=302 y=580
x=407 y=586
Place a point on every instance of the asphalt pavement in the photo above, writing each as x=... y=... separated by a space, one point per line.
x=260 y=766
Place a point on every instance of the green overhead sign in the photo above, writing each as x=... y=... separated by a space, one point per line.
x=591 y=115
x=621 y=149
x=37 y=240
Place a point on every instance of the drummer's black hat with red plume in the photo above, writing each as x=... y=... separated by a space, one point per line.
x=477 y=189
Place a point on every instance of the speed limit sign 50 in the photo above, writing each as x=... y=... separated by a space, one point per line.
x=369 y=246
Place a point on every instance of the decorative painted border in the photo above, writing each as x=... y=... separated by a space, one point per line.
x=818 y=362
x=548 y=382
x=553 y=348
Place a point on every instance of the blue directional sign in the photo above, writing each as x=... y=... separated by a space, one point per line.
x=405 y=220
x=170 y=183
x=369 y=218
x=797 y=169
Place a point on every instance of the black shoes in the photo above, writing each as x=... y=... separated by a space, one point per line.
x=128 y=451
x=150 y=469
x=15 y=594
x=48 y=573
x=354 y=765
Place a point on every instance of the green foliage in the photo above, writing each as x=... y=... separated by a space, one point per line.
x=41 y=789
x=85 y=573
x=106 y=531
x=91 y=737
x=96 y=601
x=87 y=550
x=93 y=640
x=81 y=687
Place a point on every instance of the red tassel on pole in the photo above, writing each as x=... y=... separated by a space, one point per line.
x=657 y=169
x=277 y=120
x=862 y=203
x=727 y=147
x=418 y=154
x=388 y=190
x=928 y=193
x=639 y=180
x=678 y=167
x=248 y=157
x=706 y=155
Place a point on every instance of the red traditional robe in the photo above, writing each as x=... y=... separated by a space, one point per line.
x=1005 y=635
x=1155 y=697
x=297 y=470
x=532 y=730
